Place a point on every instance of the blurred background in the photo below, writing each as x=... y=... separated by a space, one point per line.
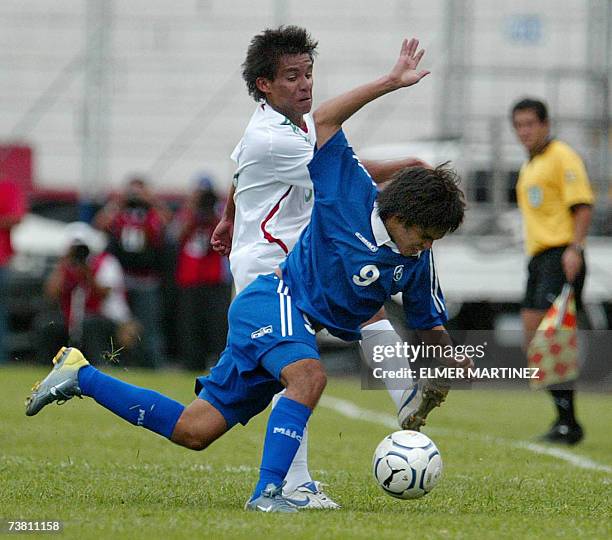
x=95 y=92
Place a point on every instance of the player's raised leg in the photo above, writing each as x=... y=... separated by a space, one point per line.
x=194 y=427
x=379 y=335
x=413 y=400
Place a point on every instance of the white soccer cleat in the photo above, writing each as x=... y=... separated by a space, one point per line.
x=411 y=400
x=310 y=496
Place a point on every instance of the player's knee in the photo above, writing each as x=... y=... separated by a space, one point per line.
x=188 y=434
x=199 y=426
x=305 y=381
x=314 y=378
x=198 y=445
x=319 y=380
x=195 y=440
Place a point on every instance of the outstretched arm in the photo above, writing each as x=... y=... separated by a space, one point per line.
x=382 y=170
x=330 y=116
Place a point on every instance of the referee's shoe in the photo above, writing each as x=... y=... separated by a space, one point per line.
x=562 y=433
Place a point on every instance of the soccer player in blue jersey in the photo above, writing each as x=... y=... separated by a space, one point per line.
x=360 y=247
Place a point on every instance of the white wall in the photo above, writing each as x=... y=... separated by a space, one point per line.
x=177 y=64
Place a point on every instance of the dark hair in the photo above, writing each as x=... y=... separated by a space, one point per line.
x=530 y=104
x=428 y=198
x=265 y=50
x=137 y=179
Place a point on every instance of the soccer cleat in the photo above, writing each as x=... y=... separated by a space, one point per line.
x=564 y=434
x=61 y=384
x=310 y=496
x=270 y=500
x=419 y=401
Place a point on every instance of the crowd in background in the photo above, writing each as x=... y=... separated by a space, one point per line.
x=153 y=294
x=13 y=207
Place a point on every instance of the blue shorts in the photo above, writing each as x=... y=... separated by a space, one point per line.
x=266 y=333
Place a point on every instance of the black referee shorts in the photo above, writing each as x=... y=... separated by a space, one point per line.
x=546 y=279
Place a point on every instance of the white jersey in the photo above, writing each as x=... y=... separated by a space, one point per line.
x=273 y=192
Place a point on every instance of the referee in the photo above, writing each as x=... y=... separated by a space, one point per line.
x=555 y=199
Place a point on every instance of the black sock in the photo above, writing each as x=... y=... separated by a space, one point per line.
x=564 y=401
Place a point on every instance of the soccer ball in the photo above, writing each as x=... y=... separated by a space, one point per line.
x=407 y=464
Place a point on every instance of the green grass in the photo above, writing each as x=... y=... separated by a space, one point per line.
x=107 y=479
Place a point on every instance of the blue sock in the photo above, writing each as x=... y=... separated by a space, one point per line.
x=139 y=406
x=283 y=436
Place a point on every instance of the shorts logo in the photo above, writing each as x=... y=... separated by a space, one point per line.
x=308 y=195
x=534 y=195
x=288 y=433
x=398 y=272
x=262 y=332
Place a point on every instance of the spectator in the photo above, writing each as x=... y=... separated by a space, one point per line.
x=12 y=209
x=135 y=222
x=89 y=287
x=203 y=279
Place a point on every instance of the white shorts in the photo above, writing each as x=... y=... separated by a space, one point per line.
x=247 y=264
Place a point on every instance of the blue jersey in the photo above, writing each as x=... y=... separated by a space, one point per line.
x=344 y=265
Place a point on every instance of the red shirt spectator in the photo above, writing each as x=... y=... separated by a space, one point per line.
x=197 y=263
x=203 y=278
x=135 y=222
x=12 y=209
x=92 y=287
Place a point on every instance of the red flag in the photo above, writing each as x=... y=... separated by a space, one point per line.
x=553 y=349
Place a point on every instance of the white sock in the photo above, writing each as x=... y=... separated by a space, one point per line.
x=381 y=334
x=298 y=473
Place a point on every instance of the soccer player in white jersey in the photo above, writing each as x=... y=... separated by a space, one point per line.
x=271 y=200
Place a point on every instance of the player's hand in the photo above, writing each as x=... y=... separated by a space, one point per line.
x=571 y=261
x=221 y=239
x=405 y=73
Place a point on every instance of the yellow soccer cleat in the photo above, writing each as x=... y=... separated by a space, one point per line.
x=61 y=384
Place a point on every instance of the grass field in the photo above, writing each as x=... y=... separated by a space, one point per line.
x=107 y=479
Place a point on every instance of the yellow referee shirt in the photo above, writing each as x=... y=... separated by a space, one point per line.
x=549 y=185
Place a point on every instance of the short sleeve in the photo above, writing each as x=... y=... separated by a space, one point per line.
x=576 y=186
x=236 y=152
x=336 y=172
x=422 y=297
